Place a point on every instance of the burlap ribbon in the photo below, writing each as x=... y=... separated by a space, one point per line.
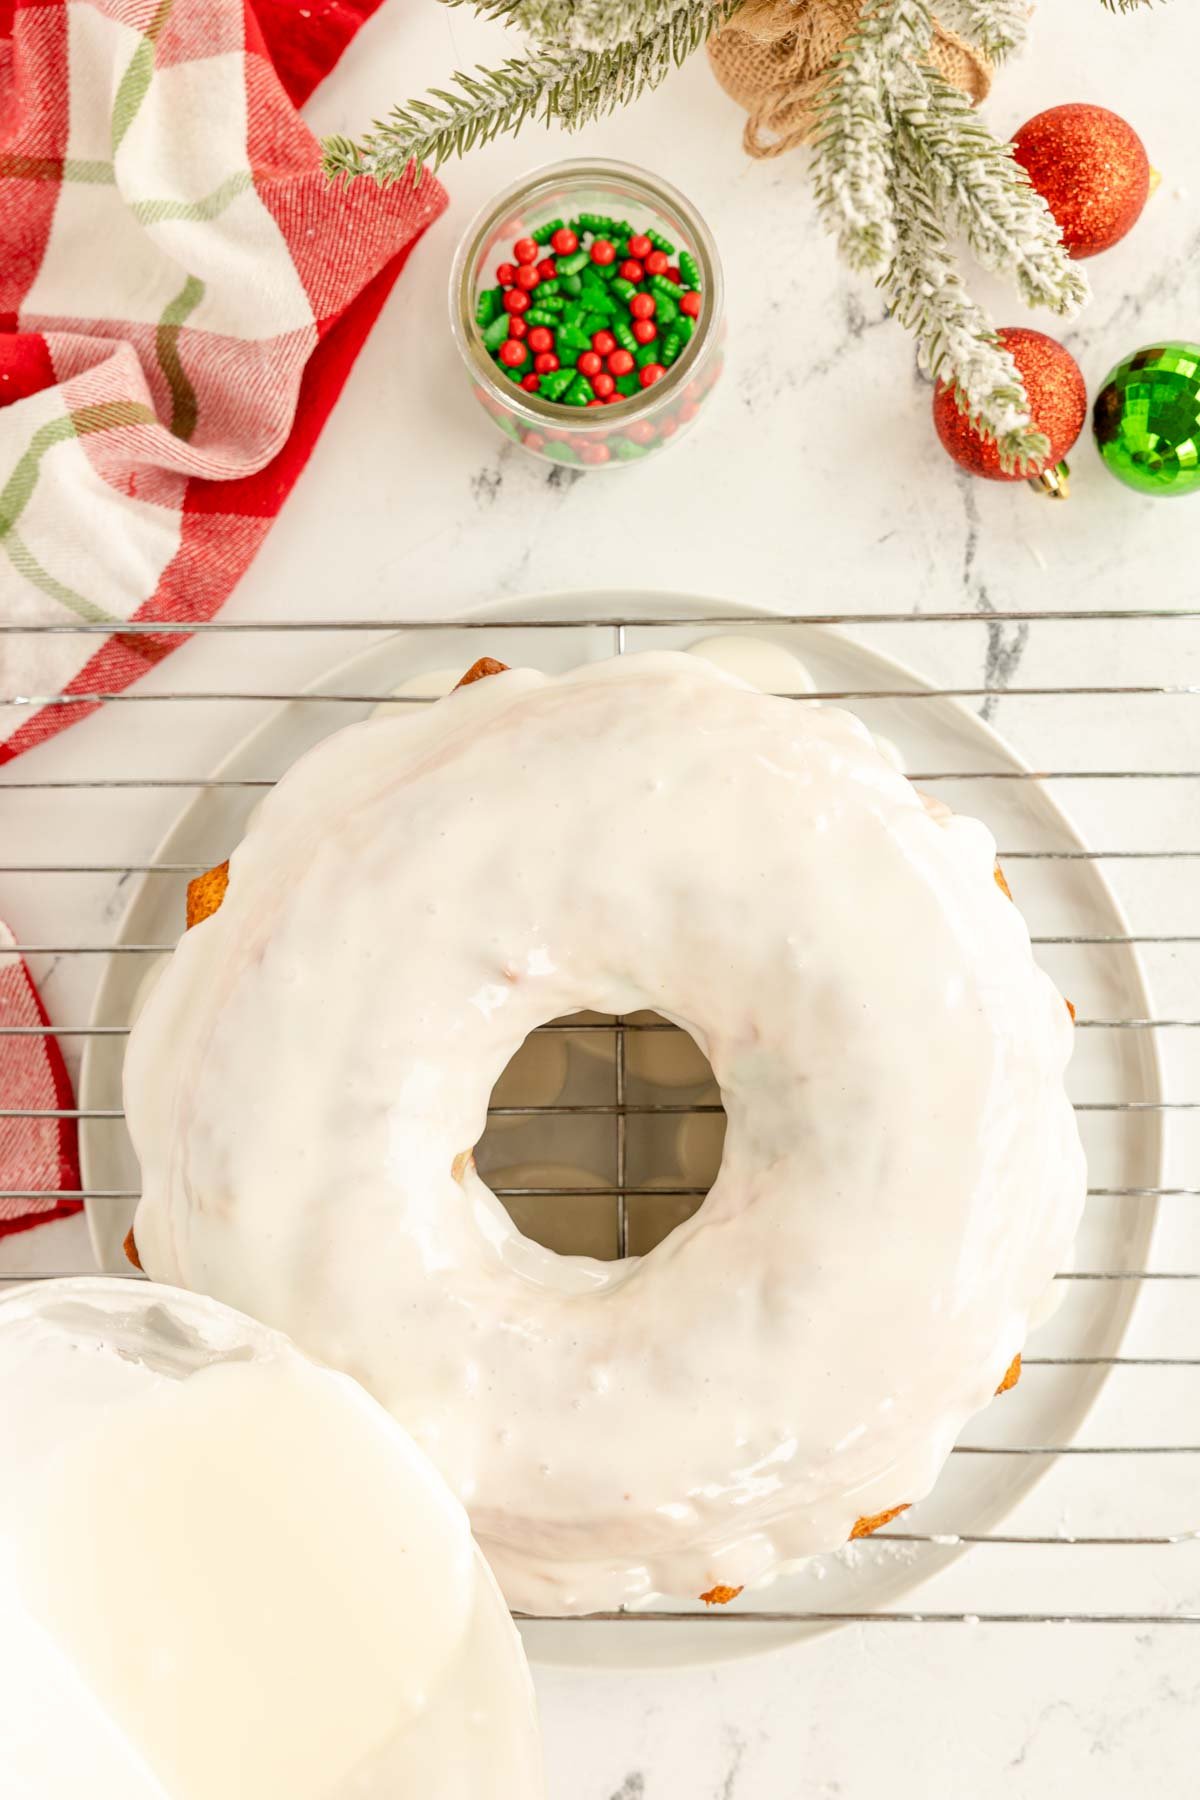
x=774 y=55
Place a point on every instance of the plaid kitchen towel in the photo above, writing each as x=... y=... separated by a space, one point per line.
x=37 y=1155
x=182 y=295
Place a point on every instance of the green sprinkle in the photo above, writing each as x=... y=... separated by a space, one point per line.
x=662 y=243
x=595 y=322
x=624 y=335
x=575 y=313
x=546 y=288
x=571 y=265
x=626 y=289
x=668 y=310
x=628 y=385
x=628 y=451
x=685 y=327
x=537 y=316
x=545 y=232
x=647 y=353
x=579 y=392
x=688 y=269
x=571 y=284
x=561 y=453
x=672 y=345
x=496 y=332
x=489 y=301
x=659 y=284
x=555 y=385
x=552 y=305
x=570 y=337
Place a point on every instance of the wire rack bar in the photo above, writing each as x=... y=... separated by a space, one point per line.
x=736 y=1616
x=140 y=783
x=601 y=621
x=310 y=697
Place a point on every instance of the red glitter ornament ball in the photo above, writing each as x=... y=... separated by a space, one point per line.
x=1057 y=404
x=1091 y=169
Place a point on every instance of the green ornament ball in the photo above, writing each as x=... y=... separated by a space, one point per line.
x=1147 y=420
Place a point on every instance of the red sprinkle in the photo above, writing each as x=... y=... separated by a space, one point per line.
x=589 y=363
x=643 y=306
x=632 y=271
x=530 y=382
x=645 y=330
x=687 y=412
x=527 y=277
x=657 y=263
x=526 y=251
x=594 y=403
x=564 y=241
x=639 y=245
x=603 y=384
x=604 y=342
x=619 y=362
x=667 y=429
x=605 y=252
x=540 y=338
x=533 y=440
x=516 y=301
x=595 y=453
x=675 y=275
x=545 y=362
x=651 y=373
x=690 y=304
x=547 y=269
x=639 y=430
x=517 y=328
x=513 y=353
x=505 y=274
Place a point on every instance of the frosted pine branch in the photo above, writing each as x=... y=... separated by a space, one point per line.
x=603 y=24
x=558 y=82
x=1007 y=223
x=900 y=154
x=853 y=162
x=956 y=340
x=997 y=28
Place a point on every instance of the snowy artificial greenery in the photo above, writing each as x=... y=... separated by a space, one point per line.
x=901 y=160
x=903 y=163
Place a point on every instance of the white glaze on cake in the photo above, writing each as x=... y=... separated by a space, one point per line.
x=902 y=1173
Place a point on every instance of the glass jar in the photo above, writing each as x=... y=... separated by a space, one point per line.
x=588 y=437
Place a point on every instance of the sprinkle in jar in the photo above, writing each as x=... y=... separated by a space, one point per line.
x=609 y=306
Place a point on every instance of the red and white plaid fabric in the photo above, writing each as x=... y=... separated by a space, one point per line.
x=36 y=1155
x=182 y=295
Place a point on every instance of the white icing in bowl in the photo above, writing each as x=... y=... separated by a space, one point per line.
x=229 y=1574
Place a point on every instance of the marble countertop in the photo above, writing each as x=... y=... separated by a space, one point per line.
x=813 y=483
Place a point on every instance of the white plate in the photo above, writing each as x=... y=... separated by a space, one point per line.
x=1064 y=898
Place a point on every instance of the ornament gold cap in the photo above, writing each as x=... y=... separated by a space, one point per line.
x=1054 y=483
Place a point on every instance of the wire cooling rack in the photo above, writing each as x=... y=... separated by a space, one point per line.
x=1101 y=706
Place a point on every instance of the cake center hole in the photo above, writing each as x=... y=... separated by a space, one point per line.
x=600 y=1130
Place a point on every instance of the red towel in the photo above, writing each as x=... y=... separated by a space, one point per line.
x=182 y=295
